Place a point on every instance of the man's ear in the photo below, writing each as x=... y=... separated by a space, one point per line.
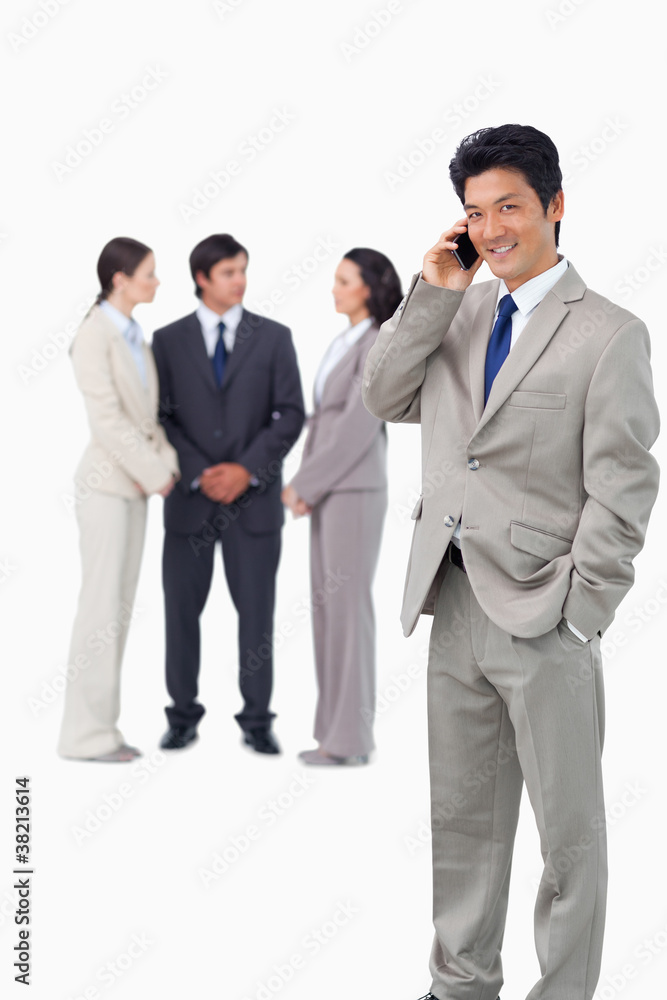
x=556 y=209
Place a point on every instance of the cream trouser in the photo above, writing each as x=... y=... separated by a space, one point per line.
x=111 y=539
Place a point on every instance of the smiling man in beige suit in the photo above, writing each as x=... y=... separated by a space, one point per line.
x=536 y=404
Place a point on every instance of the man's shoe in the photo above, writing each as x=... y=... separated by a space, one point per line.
x=261 y=739
x=178 y=737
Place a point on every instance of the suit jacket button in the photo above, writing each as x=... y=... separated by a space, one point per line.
x=449 y=520
x=217 y=433
x=473 y=464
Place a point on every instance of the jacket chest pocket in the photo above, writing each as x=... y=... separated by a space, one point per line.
x=538 y=400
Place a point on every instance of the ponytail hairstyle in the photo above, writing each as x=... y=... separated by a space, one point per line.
x=120 y=254
x=378 y=272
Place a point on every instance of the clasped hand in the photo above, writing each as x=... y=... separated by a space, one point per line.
x=224 y=482
x=164 y=492
x=293 y=501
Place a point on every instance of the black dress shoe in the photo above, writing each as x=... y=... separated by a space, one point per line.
x=178 y=737
x=261 y=739
x=430 y=996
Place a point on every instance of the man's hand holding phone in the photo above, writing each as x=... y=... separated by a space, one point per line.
x=442 y=268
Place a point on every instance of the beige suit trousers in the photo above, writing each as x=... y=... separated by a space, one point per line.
x=111 y=539
x=346 y=531
x=504 y=710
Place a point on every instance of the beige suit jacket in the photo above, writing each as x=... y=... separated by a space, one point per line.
x=346 y=446
x=128 y=445
x=552 y=480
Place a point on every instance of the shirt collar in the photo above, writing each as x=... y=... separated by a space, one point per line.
x=121 y=321
x=356 y=332
x=530 y=294
x=210 y=320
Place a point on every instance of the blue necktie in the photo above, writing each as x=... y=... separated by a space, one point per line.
x=500 y=342
x=219 y=355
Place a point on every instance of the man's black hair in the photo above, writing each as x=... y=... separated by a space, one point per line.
x=510 y=147
x=210 y=252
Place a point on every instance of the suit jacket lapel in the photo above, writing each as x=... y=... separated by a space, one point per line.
x=131 y=377
x=478 y=343
x=350 y=358
x=151 y=378
x=197 y=350
x=539 y=330
x=246 y=338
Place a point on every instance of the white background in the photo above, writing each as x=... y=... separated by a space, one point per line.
x=592 y=77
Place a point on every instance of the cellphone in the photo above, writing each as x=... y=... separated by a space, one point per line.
x=465 y=252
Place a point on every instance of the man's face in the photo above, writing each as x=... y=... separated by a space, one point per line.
x=225 y=285
x=509 y=227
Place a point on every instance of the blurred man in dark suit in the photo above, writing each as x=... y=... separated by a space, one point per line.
x=232 y=406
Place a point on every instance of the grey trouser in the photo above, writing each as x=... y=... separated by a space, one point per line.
x=345 y=536
x=504 y=710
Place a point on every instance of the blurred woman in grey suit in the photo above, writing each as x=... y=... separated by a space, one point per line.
x=127 y=458
x=342 y=485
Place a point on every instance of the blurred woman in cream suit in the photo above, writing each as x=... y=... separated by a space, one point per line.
x=342 y=485
x=127 y=459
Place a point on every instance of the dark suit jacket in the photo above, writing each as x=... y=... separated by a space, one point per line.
x=254 y=419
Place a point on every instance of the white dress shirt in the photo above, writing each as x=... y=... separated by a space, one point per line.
x=132 y=335
x=337 y=350
x=528 y=296
x=209 y=322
